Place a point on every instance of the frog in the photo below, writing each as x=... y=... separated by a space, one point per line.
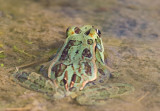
x=78 y=70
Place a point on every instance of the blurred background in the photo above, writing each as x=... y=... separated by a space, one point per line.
x=31 y=30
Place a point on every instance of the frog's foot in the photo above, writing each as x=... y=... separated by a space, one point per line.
x=97 y=95
x=34 y=81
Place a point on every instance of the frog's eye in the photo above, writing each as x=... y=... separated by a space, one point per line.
x=87 y=33
x=98 y=32
x=72 y=30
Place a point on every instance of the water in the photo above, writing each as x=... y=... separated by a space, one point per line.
x=33 y=29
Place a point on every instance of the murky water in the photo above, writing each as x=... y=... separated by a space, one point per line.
x=33 y=29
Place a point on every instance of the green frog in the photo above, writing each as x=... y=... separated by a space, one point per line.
x=78 y=70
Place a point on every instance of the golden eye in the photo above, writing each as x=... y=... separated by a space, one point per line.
x=72 y=30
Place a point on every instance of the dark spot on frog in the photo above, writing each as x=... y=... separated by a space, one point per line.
x=101 y=72
x=101 y=81
x=90 y=41
x=59 y=69
x=71 y=43
x=90 y=83
x=73 y=78
x=22 y=77
x=64 y=81
x=93 y=83
x=64 y=55
x=87 y=69
x=77 y=30
x=72 y=89
x=86 y=53
x=77 y=51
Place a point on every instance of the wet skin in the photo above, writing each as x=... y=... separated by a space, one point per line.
x=78 y=70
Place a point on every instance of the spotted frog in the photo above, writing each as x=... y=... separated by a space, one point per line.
x=78 y=70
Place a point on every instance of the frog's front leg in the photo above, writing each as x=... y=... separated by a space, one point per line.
x=97 y=95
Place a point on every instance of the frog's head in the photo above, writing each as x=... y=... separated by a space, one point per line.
x=87 y=36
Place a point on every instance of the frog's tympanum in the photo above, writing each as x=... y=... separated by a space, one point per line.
x=78 y=70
